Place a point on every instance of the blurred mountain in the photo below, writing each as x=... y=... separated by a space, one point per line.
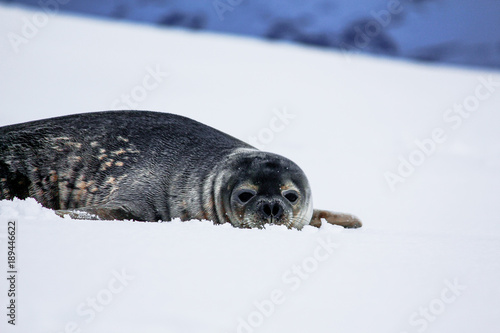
x=465 y=32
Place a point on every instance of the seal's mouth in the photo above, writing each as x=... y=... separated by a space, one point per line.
x=261 y=223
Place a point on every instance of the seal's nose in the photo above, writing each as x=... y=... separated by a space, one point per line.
x=271 y=209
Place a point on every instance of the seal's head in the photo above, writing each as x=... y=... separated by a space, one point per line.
x=264 y=188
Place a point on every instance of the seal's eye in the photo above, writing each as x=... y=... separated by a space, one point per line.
x=291 y=195
x=245 y=195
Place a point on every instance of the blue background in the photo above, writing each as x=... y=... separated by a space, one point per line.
x=452 y=32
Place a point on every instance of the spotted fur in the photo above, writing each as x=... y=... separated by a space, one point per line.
x=145 y=166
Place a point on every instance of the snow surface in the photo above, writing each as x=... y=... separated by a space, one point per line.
x=426 y=259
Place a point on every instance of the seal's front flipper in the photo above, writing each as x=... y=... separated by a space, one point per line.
x=344 y=220
x=105 y=212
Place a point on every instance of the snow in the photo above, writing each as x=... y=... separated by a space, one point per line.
x=426 y=259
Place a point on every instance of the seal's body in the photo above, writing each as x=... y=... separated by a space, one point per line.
x=151 y=166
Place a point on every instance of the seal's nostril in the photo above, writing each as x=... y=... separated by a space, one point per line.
x=277 y=210
x=266 y=208
x=274 y=210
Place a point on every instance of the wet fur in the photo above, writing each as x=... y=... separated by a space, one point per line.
x=139 y=165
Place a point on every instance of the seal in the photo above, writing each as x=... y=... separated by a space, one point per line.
x=153 y=166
